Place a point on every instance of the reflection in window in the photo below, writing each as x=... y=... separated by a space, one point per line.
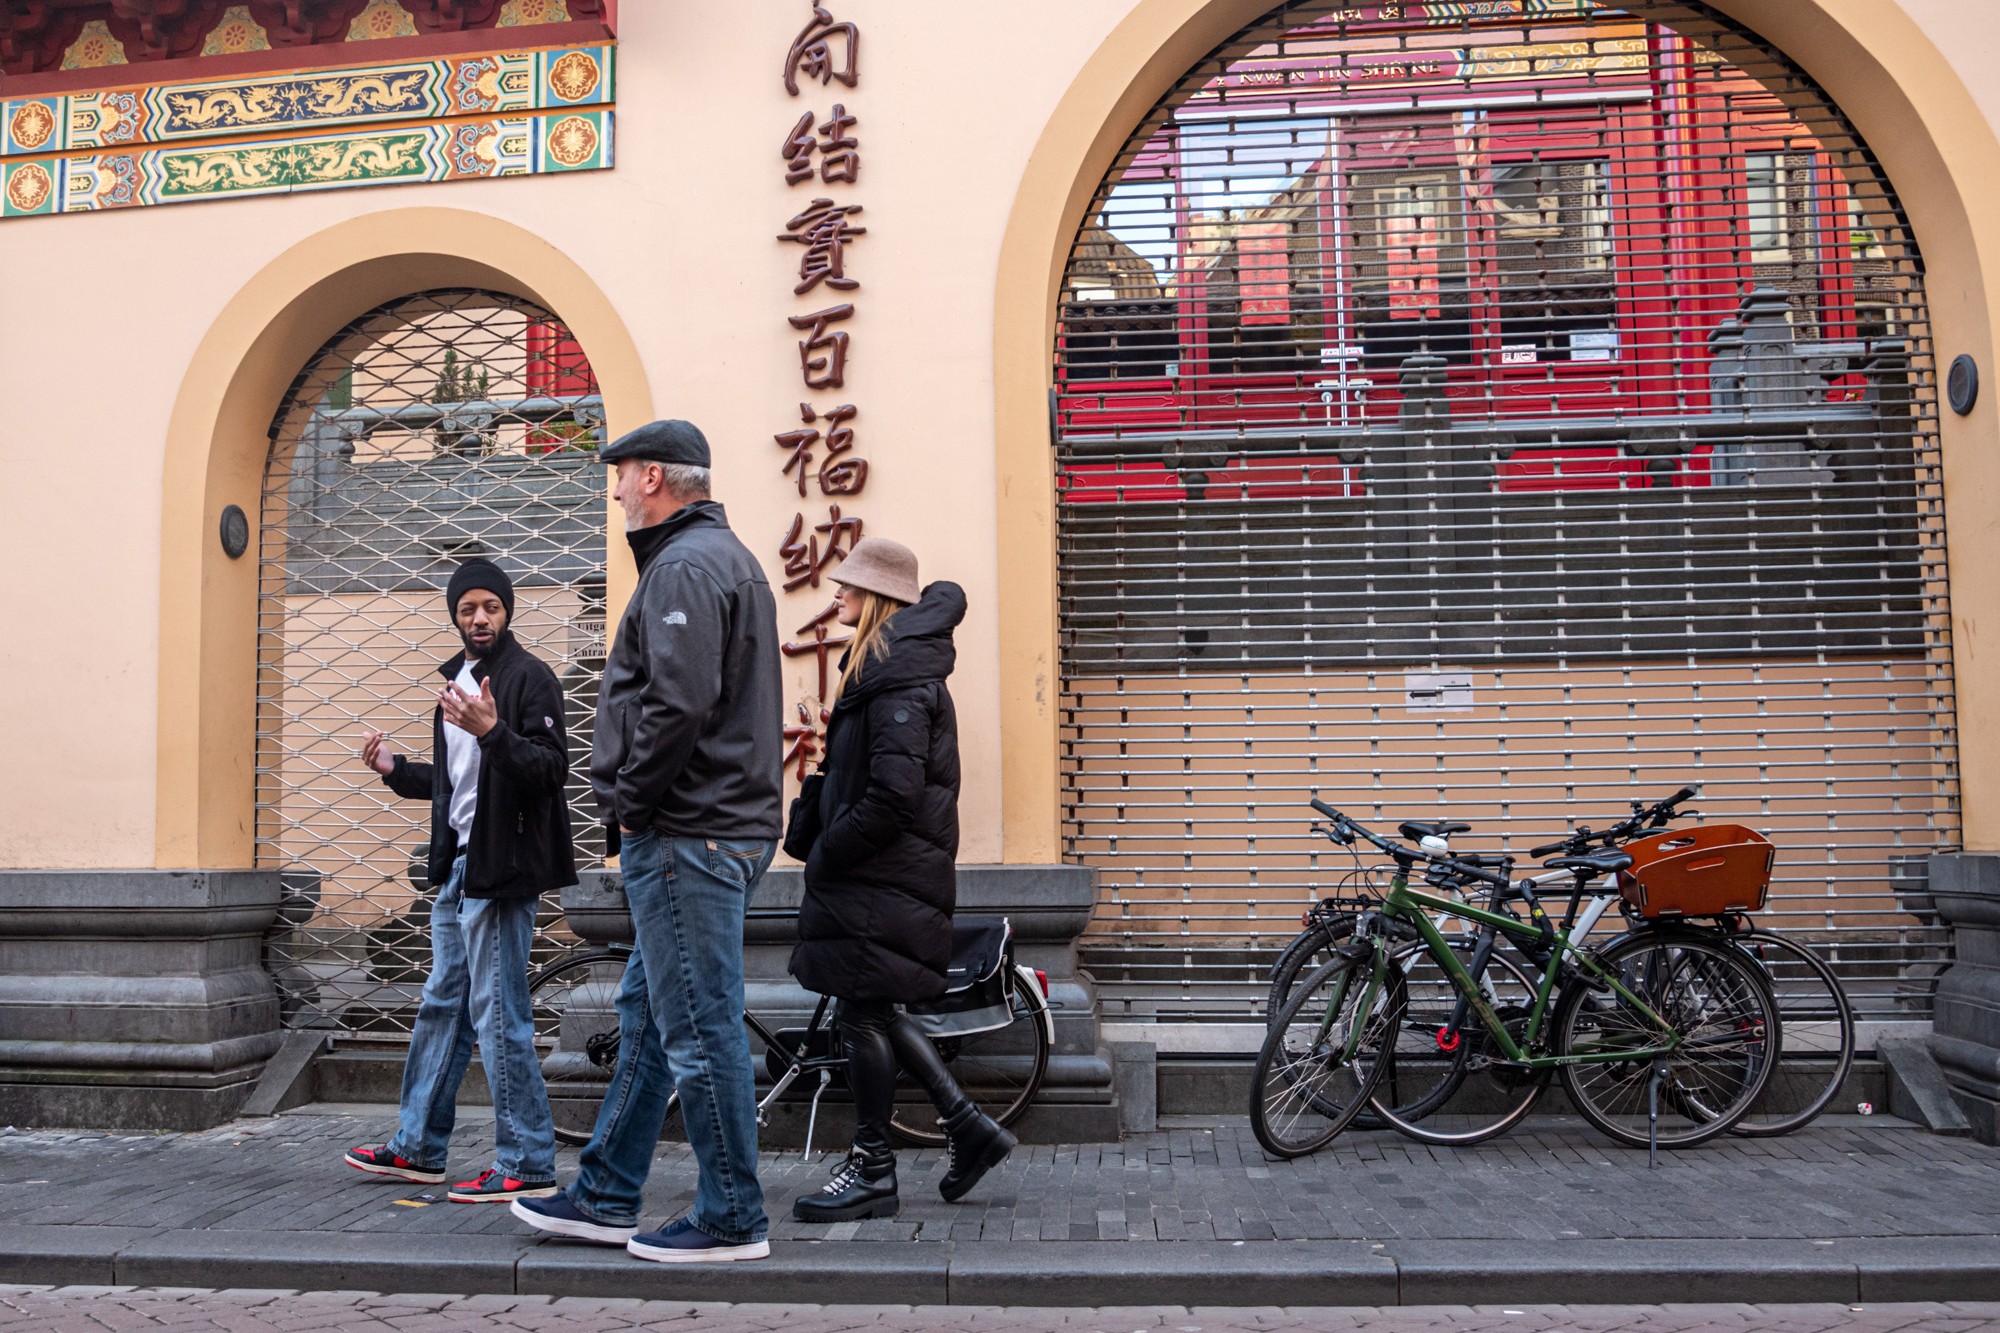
x=1117 y=321
x=1409 y=263
x=1265 y=307
x=1255 y=238
x=1876 y=294
x=1553 y=252
x=1780 y=230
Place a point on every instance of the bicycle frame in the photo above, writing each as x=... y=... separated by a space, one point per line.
x=1378 y=973
x=1413 y=906
x=800 y=1061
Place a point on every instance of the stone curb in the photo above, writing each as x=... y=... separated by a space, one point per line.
x=1049 y=1273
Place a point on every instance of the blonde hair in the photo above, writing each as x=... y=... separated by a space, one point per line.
x=867 y=641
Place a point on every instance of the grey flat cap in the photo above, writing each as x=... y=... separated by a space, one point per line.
x=660 y=442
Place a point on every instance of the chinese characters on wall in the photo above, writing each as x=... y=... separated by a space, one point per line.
x=821 y=161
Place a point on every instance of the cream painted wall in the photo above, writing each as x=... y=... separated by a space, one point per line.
x=103 y=311
x=1968 y=33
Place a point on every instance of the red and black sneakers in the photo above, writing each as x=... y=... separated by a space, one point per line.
x=381 y=1162
x=493 y=1187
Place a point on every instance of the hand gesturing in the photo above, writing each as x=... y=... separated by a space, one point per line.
x=476 y=713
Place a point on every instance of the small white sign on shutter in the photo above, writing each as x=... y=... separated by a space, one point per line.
x=1438 y=691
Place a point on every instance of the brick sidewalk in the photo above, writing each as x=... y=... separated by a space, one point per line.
x=1185 y=1205
x=23 y=1309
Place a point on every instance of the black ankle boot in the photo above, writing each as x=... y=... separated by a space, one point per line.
x=862 y=1186
x=976 y=1144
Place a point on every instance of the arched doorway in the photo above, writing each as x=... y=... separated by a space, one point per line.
x=437 y=427
x=1513 y=409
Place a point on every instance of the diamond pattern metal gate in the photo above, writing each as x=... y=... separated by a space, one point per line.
x=1502 y=410
x=435 y=428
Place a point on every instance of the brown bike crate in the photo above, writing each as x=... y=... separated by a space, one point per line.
x=1699 y=872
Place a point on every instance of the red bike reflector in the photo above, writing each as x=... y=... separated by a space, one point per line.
x=1306 y=918
x=1042 y=980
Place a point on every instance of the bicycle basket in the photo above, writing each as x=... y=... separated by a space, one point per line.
x=1698 y=872
x=975 y=998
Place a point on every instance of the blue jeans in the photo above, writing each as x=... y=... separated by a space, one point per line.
x=680 y=1027
x=478 y=986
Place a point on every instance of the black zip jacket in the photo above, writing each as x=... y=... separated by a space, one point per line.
x=880 y=883
x=690 y=718
x=520 y=843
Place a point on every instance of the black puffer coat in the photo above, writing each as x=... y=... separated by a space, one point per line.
x=880 y=885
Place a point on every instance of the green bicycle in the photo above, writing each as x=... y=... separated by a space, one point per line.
x=1660 y=1040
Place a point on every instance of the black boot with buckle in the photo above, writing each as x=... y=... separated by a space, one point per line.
x=976 y=1144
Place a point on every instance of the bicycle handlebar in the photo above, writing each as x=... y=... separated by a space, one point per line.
x=1653 y=816
x=1343 y=825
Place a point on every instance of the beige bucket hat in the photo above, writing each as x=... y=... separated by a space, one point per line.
x=879 y=565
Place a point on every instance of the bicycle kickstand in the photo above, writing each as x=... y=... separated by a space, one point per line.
x=812 y=1118
x=1653 y=1113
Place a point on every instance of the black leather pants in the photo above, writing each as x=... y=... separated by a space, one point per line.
x=879 y=1039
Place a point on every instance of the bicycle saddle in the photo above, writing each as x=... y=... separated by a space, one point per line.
x=1597 y=863
x=1436 y=828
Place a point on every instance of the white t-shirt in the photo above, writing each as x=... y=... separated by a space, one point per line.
x=461 y=759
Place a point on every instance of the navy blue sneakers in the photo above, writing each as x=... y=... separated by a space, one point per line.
x=559 y=1217
x=681 y=1243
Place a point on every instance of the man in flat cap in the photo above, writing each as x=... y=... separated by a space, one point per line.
x=687 y=768
x=499 y=838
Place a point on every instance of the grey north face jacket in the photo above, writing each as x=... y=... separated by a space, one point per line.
x=690 y=717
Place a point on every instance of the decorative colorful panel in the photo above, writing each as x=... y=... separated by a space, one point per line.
x=94 y=48
x=290 y=103
x=527 y=13
x=183 y=173
x=381 y=19
x=236 y=33
x=503 y=114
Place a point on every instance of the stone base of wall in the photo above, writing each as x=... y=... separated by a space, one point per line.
x=134 y=999
x=1966 y=1025
x=88 y=1099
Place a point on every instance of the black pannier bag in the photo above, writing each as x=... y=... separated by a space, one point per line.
x=975 y=997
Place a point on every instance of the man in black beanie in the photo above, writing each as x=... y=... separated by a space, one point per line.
x=499 y=837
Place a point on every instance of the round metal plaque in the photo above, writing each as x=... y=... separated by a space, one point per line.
x=1961 y=385
x=235 y=532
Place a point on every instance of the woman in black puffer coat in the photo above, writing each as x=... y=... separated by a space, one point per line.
x=879 y=838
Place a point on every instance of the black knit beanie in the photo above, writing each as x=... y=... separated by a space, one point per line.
x=479 y=573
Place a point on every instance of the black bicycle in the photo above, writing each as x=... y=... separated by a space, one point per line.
x=993 y=1029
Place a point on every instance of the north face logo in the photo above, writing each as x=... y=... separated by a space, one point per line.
x=675 y=618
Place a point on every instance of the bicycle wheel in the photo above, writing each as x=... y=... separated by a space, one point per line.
x=1305 y=1088
x=576 y=1036
x=1309 y=949
x=1711 y=996
x=999 y=1070
x=1477 y=1094
x=1816 y=1036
